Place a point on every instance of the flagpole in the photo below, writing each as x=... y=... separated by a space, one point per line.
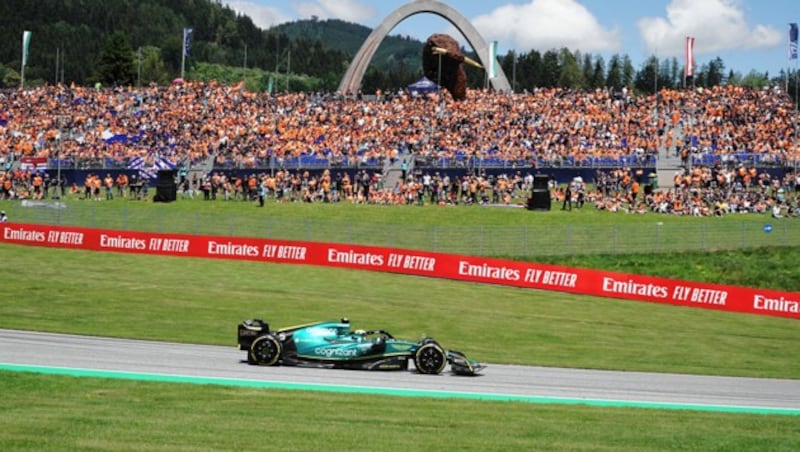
x=792 y=56
x=792 y=51
x=183 y=54
x=796 y=142
x=22 y=67
x=655 y=86
x=514 y=73
x=184 y=50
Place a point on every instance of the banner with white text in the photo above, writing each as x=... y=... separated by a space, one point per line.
x=422 y=263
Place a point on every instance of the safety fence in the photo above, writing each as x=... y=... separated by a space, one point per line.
x=735 y=232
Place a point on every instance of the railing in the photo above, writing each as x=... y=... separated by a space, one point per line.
x=538 y=162
x=528 y=240
x=748 y=159
x=312 y=162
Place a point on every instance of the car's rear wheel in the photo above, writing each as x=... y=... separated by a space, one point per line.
x=430 y=359
x=265 y=351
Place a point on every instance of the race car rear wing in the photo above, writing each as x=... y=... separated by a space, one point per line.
x=249 y=330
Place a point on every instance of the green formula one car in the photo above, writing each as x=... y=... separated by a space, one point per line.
x=335 y=345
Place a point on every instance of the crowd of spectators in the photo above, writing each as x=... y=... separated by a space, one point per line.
x=701 y=191
x=365 y=187
x=735 y=125
x=195 y=121
x=719 y=132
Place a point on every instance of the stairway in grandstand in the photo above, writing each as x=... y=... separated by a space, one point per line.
x=393 y=170
x=668 y=163
x=15 y=164
x=666 y=167
x=201 y=168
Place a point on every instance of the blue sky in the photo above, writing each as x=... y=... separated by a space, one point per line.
x=746 y=34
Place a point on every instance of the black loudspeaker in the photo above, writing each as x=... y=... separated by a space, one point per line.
x=165 y=194
x=166 y=188
x=540 y=181
x=540 y=200
x=166 y=177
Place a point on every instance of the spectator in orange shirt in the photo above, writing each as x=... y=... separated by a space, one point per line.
x=96 y=184
x=122 y=183
x=108 y=181
x=38 y=188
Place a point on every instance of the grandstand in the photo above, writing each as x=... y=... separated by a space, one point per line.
x=207 y=127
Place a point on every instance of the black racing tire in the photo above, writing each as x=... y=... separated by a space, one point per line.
x=265 y=351
x=430 y=359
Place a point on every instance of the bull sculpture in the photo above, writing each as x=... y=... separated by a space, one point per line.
x=441 y=62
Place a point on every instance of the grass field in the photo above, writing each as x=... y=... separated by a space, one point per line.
x=474 y=230
x=63 y=413
x=147 y=297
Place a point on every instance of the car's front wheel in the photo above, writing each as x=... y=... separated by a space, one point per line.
x=265 y=351
x=430 y=359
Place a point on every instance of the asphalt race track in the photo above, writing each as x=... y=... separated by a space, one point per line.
x=112 y=358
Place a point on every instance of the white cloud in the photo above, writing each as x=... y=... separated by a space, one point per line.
x=263 y=16
x=347 y=10
x=547 y=24
x=717 y=25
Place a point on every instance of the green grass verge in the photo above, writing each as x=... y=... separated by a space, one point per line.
x=202 y=300
x=475 y=230
x=64 y=413
x=765 y=268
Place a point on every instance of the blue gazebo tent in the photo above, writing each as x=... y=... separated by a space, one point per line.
x=422 y=86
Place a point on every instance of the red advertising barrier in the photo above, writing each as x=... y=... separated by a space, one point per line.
x=422 y=263
x=33 y=163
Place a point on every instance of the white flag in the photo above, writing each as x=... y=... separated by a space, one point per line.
x=26 y=42
x=493 y=60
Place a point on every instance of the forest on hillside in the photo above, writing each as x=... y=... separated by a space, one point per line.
x=69 y=38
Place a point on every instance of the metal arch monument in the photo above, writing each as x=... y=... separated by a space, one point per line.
x=351 y=82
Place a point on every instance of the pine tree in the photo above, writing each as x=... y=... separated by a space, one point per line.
x=116 y=65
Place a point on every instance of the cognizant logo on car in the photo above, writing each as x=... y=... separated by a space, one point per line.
x=336 y=352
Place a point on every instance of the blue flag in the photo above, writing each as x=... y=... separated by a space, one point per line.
x=149 y=171
x=793 y=41
x=186 y=33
